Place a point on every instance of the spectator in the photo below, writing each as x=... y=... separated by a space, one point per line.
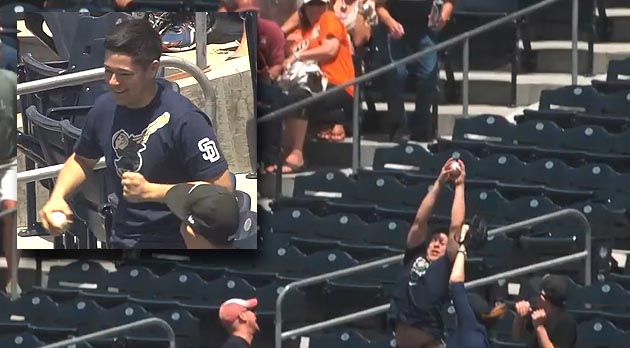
x=422 y=288
x=322 y=39
x=358 y=17
x=209 y=215
x=551 y=325
x=151 y=138
x=405 y=29
x=238 y=318
x=474 y=315
x=8 y=162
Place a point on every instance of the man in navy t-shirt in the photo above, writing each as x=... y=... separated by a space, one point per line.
x=151 y=138
x=422 y=288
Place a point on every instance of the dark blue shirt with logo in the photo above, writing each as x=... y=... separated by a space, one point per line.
x=421 y=292
x=168 y=141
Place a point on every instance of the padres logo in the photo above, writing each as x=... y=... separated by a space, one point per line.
x=208 y=149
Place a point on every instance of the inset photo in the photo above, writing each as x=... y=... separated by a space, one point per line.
x=136 y=130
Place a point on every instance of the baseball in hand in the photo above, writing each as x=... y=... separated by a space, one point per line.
x=59 y=219
x=455 y=168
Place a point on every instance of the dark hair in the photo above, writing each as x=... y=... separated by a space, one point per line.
x=304 y=23
x=136 y=38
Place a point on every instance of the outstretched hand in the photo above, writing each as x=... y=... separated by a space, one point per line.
x=446 y=173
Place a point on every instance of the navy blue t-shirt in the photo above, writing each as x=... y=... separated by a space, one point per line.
x=469 y=332
x=412 y=14
x=421 y=291
x=169 y=141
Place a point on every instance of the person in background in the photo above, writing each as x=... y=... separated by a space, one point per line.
x=321 y=38
x=358 y=17
x=239 y=319
x=407 y=27
x=551 y=325
x=209 y=214
x=8 y=163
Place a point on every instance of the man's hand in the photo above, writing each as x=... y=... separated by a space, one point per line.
x=446 y=172
x=135 y=187
x=441 y=23
x=523 y=308
x=539 y=317
x=461 y=178
x=45 y=214
x=396 y=29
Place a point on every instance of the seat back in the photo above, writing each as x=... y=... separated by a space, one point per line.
x=578 y=98
x=618 y=70
x=48 y=132
x=490 y=128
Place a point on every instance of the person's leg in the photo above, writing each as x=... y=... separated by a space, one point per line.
x=390 y=50
x=296 y=130
x=427 y=74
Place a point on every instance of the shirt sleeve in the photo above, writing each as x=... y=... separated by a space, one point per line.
x=87 y=146
x=564 y=333
x=465 y=316
x=198 y=145
x=331 y=27
x=277 y=46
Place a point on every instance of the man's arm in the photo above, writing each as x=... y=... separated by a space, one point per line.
x=395 y=28
x=291 y=23
x=418 y=231
x=458 y=212
x=137 y=189
x=72 y=175
x=523 y=308
x=543 y=337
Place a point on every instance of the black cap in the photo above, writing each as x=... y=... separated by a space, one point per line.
x=554 y=289
x=210 y=210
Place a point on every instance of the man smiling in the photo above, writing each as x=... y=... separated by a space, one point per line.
x=151 y=138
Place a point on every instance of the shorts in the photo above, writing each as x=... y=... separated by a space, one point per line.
x=8 y=182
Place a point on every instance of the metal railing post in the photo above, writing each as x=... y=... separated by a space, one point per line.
x=574 y=42
x=320 y=278
x=140 y=323
x=356 y=131
x=465 y=79
x=201 y=39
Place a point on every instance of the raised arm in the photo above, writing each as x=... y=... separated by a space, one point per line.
x=458 y=211
x=418 y=232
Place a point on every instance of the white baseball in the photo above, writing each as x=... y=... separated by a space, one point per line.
x=455 y=167
x=59 y=219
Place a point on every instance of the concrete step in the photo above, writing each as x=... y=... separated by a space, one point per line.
x=555 y=56
x=493 y=87
x=620 y=19
x=447 y=114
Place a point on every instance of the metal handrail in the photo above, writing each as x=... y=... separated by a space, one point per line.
x=48 y=172
x=446 y=44
x=586 y=253
x=107 y=332
x=92 y=75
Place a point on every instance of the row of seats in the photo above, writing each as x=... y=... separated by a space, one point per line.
x=546 y=134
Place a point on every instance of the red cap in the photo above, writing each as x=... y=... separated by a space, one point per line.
x=232 y=308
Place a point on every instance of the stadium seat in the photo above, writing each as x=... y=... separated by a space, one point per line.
x=491 y=128
x=78 y=313
x=327 y=261
x=402 y=157
x=503 y=167
x=326 y=184
x=588 y=138
x=82 y=274
x=579 y=98
x=617 y=103
x=184 y=324
x=550 y=172
x=484 y=203
x=594 y=176
x=339 y=339
x=392 y=233
x=600 y=333
x=545 y=134
x=21 y=340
